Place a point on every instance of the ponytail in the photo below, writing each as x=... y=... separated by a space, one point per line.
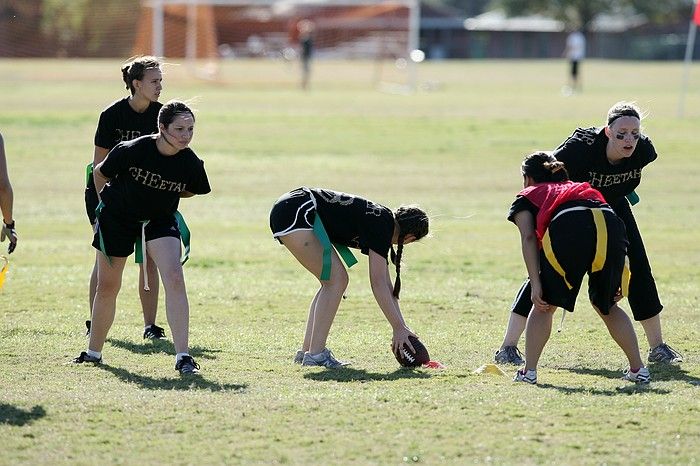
x=543 y=167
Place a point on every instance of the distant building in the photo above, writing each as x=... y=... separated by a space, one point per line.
x=494 y=35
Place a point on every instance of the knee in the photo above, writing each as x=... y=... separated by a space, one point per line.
x=108 y=286
x=173 y=279
x=339 y=280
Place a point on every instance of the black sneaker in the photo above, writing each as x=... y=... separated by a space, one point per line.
x=153 y=332
x=186 y=365
x=87 y=325
x=664 y=354
x=84 y=357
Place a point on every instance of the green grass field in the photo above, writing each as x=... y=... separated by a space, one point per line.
x=454 y=147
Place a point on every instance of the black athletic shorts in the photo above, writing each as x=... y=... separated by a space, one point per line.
x=574 y=242
x=120 y=233
x=643 y=296
x=293 y=211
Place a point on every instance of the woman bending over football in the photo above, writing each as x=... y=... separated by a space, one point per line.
x=309 y=221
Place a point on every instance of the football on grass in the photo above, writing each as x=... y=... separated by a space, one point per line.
x=408 y=358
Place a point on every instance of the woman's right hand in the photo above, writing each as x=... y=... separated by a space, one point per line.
x=536 y=297
x=400 y=338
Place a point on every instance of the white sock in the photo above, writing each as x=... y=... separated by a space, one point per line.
x=179 y=356
x=94 y=354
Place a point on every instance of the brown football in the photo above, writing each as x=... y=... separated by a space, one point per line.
x=408 y=358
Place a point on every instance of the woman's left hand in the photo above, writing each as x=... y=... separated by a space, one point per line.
x=400 y=338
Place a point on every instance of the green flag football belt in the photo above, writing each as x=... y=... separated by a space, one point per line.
x=88 y=173
x=343 y=251
x=140 y=242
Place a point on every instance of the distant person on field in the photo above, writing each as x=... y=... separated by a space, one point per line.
x=309 y=221
x=6 y=202
x=575 y=52
x=140 y=184
x=568 y=231
x=306 y=29
x=126 y=119
x=611 y=159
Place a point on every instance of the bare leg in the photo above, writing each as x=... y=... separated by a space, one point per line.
x=539 y=327
x=109 y=281
x=652 y=330
x=149 y=299
x=622 y=331
x=165 y=252
x=516 y=327
x=310 y=322
x=93 y=284
x=308 y=251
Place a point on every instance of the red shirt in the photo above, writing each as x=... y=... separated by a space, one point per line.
x=548 y=196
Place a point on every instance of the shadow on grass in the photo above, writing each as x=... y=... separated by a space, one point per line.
x=14 y=416
x=189 y=382
x=161 y=346
x=627 y=389
x=347 y=374
x=667 y=372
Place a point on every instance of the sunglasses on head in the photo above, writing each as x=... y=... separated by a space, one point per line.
x=622 y=136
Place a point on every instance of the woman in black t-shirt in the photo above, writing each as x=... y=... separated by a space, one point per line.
x=140 y=184
x=611 y=159
x=308 y=220
x=124 y=120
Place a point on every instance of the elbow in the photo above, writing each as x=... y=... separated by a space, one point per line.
x=529 y=238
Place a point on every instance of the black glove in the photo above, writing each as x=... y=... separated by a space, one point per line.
x=8 y=230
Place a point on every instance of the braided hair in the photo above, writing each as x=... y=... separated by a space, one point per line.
x=544 y=167
x=412 y=221
x=136 y=68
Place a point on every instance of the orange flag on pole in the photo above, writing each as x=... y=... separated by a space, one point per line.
x=696 y=16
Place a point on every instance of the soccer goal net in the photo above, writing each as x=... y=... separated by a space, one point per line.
x=207 y=32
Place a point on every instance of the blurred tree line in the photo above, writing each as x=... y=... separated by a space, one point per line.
x=580 y=13
x=70 y=27
x=93 y=28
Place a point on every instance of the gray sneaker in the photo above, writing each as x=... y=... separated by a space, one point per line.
x=509 y=355
x=324 y=358
x=664 y=354
x=527 y=376
x=299 y=357
x=642 y=376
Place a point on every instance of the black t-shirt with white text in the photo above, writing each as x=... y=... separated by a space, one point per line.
x=585 y=158
x=119 y=122
x=355 y=222
x=145 y=184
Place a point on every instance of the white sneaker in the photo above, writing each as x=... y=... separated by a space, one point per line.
x=527 y=376
x=324 y=358
x=642 y=376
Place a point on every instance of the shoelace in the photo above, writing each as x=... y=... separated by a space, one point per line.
x=155 y=331
x=667 y=349
x=514 y=352
x=188 y=360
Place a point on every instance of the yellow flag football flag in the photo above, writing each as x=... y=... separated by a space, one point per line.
x=5 y=266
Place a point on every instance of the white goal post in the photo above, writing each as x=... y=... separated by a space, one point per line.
x=158 y=26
